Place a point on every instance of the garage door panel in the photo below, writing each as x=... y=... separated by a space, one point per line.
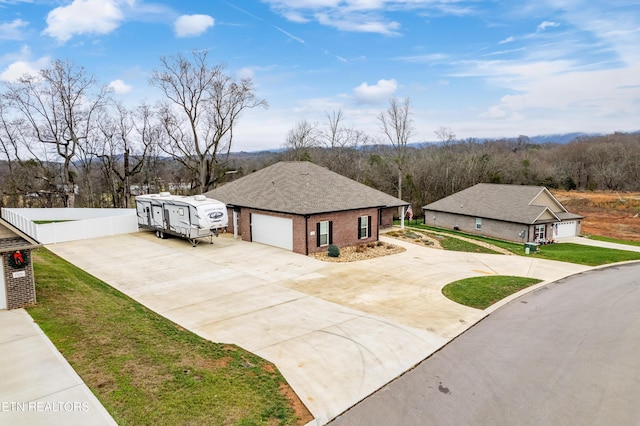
x=564 y=229
x=272 y=230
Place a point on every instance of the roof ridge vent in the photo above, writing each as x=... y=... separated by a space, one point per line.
x=200 y=197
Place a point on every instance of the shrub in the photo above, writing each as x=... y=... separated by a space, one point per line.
x=361 y=248
x=371 y=244
x=334 y=251
x=379 y=243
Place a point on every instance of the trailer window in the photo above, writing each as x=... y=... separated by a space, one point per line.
x=181 y=211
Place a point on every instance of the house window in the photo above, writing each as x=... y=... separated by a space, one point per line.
x=324 y=231
x=364 y=227
x=478 y=223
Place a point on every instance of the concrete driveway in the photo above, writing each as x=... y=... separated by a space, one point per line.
x=336 y=331
x=565 y=354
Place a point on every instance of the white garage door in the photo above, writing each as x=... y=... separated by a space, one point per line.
x=564 y=229
x=272 y=230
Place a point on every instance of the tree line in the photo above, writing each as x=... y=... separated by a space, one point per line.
x=64 y=141
x=63 y=137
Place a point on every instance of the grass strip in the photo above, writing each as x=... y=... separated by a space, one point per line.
x=584 y=255
x=456 y=244
x=446 y=242
x=614 y=240
x=482 y=292
x=563 y=252
x=145 y=369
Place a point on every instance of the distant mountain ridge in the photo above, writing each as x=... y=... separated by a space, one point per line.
x=559 y=138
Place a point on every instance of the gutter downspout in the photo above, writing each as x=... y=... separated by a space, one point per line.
x=402 y=218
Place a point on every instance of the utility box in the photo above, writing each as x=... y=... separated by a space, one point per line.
x=530 y=248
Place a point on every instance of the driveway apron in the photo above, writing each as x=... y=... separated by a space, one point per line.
x=336 y=331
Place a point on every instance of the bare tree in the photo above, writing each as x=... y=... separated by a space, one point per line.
x=341 y=142
x=127 y=139
x=398 y=127
x=59 y=106
x=302 y=138
x=203 y=107
x=445 y=134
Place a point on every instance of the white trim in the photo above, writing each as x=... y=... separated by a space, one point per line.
x=321 y=233
x=3 y=288
x=550 y=211
x=364 y=224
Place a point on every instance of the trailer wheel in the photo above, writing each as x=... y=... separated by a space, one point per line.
x=157 y=234
x=161 y=235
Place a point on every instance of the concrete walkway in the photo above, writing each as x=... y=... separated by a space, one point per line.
x=596 y=243
x=336 y=331
x=38 y=386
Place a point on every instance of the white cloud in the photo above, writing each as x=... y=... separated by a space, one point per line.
x=547 y=24
x=12 y=30
x=192 y=25
x=507 y=40
x=84 y=17
x=19 y=68
x=362 y=23
x=378 y=93
x=120 y=87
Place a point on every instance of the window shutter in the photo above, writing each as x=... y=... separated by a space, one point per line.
x=318 y=234
x=359 y=227
x=369 y=227
x=330 y=232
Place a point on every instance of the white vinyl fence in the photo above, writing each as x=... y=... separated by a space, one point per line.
x=79 y=224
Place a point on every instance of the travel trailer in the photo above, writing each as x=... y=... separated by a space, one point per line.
x=191 y=217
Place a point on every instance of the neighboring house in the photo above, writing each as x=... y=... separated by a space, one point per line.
x=303 y=207
x=17 y=286
x=510 y=212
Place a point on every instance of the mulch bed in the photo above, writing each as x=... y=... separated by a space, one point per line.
x=361 y=252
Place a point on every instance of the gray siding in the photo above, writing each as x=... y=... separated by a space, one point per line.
x=490 y=227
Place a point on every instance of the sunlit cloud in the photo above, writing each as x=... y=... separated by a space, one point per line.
x=375 y=94
x=192 y=25
x=13 y=30
x=120 y=87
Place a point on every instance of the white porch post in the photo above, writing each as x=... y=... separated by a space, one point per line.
x=402 y=218
x=235 y=224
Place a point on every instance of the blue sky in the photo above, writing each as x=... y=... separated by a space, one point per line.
x=481 y=68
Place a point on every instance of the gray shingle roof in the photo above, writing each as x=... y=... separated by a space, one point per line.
x=301 y=188
x=511 y=203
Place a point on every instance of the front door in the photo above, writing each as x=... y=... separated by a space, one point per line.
x=540 y=232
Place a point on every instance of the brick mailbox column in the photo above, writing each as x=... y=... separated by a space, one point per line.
x=19 y=280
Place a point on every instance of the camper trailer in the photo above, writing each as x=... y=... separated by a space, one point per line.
x=188 y=217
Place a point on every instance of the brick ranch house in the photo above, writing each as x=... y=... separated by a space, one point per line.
x=17 y=285
x=303 y=207
x=509 y=212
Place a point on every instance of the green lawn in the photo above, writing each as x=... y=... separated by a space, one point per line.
x=456 y=244
x=584 y=255
x=146 y=369
x=45 y=222
x=482 y=292
x=564 y=252
x=614 y=240
x=447 y=242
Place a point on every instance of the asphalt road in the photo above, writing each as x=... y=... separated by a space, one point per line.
x=565 y=354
